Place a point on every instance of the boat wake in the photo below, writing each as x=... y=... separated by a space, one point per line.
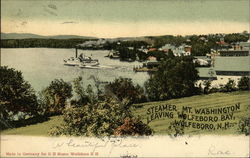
x=98 y=67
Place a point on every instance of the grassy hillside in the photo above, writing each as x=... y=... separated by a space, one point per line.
x=160 y=126
x=39 y=129
x=212 y=101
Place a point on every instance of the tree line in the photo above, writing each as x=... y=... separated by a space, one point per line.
x=48 y=43
x=201 y=44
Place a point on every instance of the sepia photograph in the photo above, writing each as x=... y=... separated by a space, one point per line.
x=125 y=78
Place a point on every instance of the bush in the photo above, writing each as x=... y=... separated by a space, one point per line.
x=133 y=127
x=214 y=90
x=176 y=129
x=53 y=99
x=207 y=86
x=17 y=97
x=244 y=83
x=99 y=119
x=124 y=89
x=244 y=126
x=230 y=86
x=90 y=116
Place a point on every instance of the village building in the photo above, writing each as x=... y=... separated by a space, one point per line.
x=182 y=50
x=228 y=65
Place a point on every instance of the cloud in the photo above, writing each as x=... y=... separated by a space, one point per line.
x=49 y=10
x=24 y=23
x=69 y=22
x=52 y=6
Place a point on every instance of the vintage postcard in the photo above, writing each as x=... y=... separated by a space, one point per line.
x=125 y=78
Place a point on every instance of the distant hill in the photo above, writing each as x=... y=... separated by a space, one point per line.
x=29 y=35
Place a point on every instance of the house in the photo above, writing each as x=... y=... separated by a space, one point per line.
x=183 y=49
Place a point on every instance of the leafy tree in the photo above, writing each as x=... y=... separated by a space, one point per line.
x=83 y=96
x=170 y=54
x=141 y=55
x=160 y=41
x=235 y=37
x=200 y=49
x=16 y=95
x=244 y=83
x=124 y=89
x=53 y=98
x=126 y=54
x=175 y=78
x=160 y=55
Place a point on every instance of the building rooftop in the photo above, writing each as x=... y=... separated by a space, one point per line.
x=232 y=63
x=206 y=72
x=234 y=53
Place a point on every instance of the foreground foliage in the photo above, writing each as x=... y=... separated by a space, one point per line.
x=160 y=126
x=99 y=119
x=17 y=97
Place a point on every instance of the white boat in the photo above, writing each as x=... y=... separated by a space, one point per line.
x=72 y=61
x=81 y=61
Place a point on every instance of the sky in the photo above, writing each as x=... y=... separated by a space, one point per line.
x=124 y=18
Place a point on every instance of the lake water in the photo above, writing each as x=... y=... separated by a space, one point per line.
x=42 y=65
